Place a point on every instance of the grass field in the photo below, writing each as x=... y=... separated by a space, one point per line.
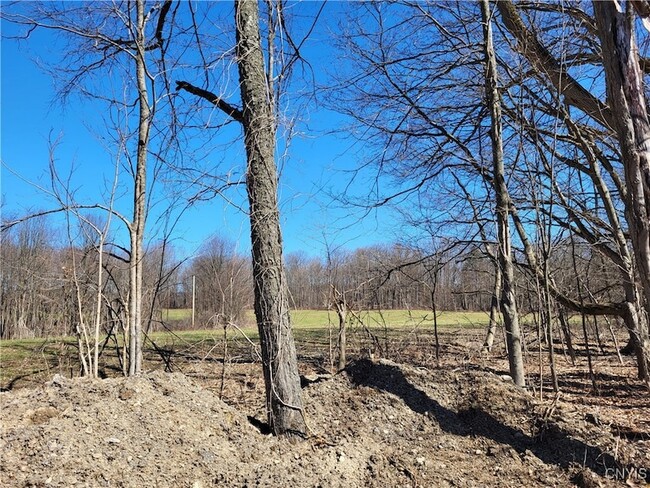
x=34 y=360
x=314 y=329
x=388 y=318
x=177 y=314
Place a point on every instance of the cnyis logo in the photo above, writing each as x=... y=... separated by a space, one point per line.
x=628 y=473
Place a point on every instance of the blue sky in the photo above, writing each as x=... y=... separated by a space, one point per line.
x=318 y=164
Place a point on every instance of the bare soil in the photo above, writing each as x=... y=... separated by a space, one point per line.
x=379 y=424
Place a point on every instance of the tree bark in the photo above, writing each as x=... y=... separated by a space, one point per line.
x=282 y=381
x=625 y=95
x=139 y=199
x=508 y=303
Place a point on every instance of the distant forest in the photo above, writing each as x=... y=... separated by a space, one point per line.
x=46 y=288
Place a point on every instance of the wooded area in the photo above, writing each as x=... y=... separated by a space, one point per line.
x=509 y=138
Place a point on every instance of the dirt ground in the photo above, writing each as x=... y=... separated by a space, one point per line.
x=379 y=423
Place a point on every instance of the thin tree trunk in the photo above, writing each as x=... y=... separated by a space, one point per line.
x=282 y=381
x=80 y=326
x=98 y=305
x=82 y=338
x=494 y=310
x=139 y=199
x=550 y=342
x=566 y=328
x=341 y=311
x=590 y=363
x=614 y=339
x=434 y=310
x=508 y=303
x=225 y=358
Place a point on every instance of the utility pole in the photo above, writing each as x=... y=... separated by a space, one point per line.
x=193 y=299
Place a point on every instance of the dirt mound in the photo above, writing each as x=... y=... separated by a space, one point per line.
x=377 y=424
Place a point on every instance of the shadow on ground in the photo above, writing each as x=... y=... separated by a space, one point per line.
x=551 y=444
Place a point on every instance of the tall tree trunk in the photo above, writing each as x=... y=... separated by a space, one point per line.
x=139 y=199
x=626 y=97
x=283 y=395
x=507 y=302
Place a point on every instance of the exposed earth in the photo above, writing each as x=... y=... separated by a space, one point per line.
x=378 y=424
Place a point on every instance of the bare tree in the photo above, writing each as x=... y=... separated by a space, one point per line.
x=286 y=416
x=626 y=96
x=100 y=39
x=590 y=130
x=259 y=85
x=508 y=303
x=89 y=318
x=341 y=306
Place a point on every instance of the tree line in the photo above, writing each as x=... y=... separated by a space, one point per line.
x=41 y=299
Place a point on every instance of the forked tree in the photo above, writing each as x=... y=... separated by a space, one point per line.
x=508 y=302
x=626 y=96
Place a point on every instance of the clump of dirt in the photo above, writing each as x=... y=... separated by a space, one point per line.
x=376 y=424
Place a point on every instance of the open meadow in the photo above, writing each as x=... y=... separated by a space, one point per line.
x=32 y=361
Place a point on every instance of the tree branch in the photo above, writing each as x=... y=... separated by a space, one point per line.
x=541 y=59
x=159 y=27
x=221 y=104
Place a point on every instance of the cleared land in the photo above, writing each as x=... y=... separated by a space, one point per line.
x=399 y=415
x=32 y=361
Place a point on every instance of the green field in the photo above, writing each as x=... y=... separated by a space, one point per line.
x=177 y=314
x=28 y=361
x=388 y=318
x=315 y=327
